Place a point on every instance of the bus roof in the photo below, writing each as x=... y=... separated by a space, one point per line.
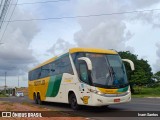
x=93 y=50
x=44 y=63
x=74 y=50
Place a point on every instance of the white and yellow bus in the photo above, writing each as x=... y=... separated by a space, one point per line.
x=82 y=76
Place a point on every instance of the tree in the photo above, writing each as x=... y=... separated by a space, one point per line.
x=142 y=74
x=156 y=77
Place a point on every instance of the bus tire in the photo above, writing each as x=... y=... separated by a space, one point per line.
x=39 y=99
x=73 y=101
x=35 y=98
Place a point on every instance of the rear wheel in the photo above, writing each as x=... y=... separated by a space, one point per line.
x=35 y=99
x=39 y=99
x=73 y=102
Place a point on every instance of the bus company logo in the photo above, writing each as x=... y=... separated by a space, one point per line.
x=85 y=99
x=37 y=83
x=6 y=114
x=21 y=114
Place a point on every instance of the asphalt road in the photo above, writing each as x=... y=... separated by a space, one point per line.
x=143 y=105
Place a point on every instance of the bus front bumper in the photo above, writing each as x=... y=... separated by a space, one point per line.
x=102 y=100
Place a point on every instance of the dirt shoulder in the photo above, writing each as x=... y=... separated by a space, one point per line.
x=8 y=106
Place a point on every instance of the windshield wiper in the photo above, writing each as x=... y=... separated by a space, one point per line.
x=112 y=71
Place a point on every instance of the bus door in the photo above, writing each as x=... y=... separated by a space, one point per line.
x=84 y=87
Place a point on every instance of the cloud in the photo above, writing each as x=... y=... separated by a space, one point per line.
x=142 y=3
x=109 y=32
x=150 y=17
x=60 y=47
x=104 y=35
x=157 y=64
x=15 y=55
x=158 y=51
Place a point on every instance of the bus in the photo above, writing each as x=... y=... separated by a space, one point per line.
x=82 y=76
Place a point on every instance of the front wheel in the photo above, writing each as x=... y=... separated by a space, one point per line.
x=73 y=102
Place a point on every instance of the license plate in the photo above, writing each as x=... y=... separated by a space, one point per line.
x=116 y=100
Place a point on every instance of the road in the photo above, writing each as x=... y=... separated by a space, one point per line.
x=101 y=113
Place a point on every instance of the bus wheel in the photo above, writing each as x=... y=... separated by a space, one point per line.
x=35 y=98
x=73 y=102
x=39 y=99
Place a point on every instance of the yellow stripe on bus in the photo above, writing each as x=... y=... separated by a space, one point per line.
x=108 y=91
x=74 y=50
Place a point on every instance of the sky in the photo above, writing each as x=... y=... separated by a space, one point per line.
x=26 y=44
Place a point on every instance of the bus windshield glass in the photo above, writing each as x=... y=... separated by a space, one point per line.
x=108 y=70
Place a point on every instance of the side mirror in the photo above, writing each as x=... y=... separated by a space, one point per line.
x=130 y=62
x=88 y=62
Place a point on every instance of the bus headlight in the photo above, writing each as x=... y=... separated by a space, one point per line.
x=99 y=93
x=95 y=91
x=129 y=89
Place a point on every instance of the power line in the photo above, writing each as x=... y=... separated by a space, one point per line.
x=42 y=2
x=83 y=16
x=1 y=4
x=72 y=17
x=8 y=22
x=4 y=11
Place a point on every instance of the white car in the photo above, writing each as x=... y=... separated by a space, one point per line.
x=19 y=94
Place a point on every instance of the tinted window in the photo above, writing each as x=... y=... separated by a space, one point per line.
x=30 y=75
x=83 y=72
x=75 y=57
x=52 y=69
x=59 y=66
x=45 y=70
x=62 y=65
x=66 y=65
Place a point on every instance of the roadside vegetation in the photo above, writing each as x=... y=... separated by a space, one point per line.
x=142 y=81
x=2 y=94
x=146 y=92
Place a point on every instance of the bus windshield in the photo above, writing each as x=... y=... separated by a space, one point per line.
x=108 y=71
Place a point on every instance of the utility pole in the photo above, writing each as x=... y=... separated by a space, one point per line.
x=18 y=81
x=5 y=82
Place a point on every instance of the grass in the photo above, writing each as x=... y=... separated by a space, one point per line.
x=146 y=92
x=3 y=95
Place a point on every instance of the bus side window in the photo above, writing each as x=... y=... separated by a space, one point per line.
x=37 y=73
x=45 y=71
x=52 y=69
x=83 y=72
x=66 y=65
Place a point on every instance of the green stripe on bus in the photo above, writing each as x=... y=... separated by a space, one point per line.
x=53 y=86
x=123 y=89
